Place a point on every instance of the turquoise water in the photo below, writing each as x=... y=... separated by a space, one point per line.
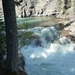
x=49 y=58
x=37 y=21
x=54 y=55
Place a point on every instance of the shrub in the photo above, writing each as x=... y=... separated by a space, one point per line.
x=23 y=26
x=25 y=37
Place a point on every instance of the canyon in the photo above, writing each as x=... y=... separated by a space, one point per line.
x=58 y=8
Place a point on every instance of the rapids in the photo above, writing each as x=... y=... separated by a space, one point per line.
x=54 y=56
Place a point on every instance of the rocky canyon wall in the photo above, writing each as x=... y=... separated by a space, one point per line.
x=58 y=8
x=36 y=8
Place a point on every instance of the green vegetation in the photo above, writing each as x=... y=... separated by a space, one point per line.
x=25 y=37
x=68 y=5
x=23 y=26
x=59 y=5
x=2 y=36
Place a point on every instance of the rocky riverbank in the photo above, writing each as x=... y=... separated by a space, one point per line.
x=67 y=29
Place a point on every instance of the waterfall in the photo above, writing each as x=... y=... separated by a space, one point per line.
x=53 y=55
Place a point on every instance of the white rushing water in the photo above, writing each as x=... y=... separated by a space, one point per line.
x=49 y=54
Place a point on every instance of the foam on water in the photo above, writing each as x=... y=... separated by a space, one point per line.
x=50 y=58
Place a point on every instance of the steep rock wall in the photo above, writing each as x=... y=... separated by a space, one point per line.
x=34 y=7
x=1 y=10
x=59 y=8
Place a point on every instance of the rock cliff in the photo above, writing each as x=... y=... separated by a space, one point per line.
x=36 y=8
x=58 y=8
x=1 y=10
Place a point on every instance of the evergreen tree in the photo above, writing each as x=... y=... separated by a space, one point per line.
x=11 y=35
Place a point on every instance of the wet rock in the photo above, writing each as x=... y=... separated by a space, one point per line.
x=22 y=72
x=69 y=31
x=21 y=62
x=72 y=38
x=37 y=40
x=59 y=26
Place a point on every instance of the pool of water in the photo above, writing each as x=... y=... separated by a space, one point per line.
x=37 y=21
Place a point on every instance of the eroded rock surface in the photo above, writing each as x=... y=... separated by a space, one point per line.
x=69 y=31
x=58 y=8
x=34 y=8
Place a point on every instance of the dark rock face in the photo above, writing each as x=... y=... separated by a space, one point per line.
x=21 y=62
x=22 y=72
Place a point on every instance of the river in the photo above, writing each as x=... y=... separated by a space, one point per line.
x=54 y=55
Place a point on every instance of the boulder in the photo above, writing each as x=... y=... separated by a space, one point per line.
x=22 y=72
x=21 y=62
